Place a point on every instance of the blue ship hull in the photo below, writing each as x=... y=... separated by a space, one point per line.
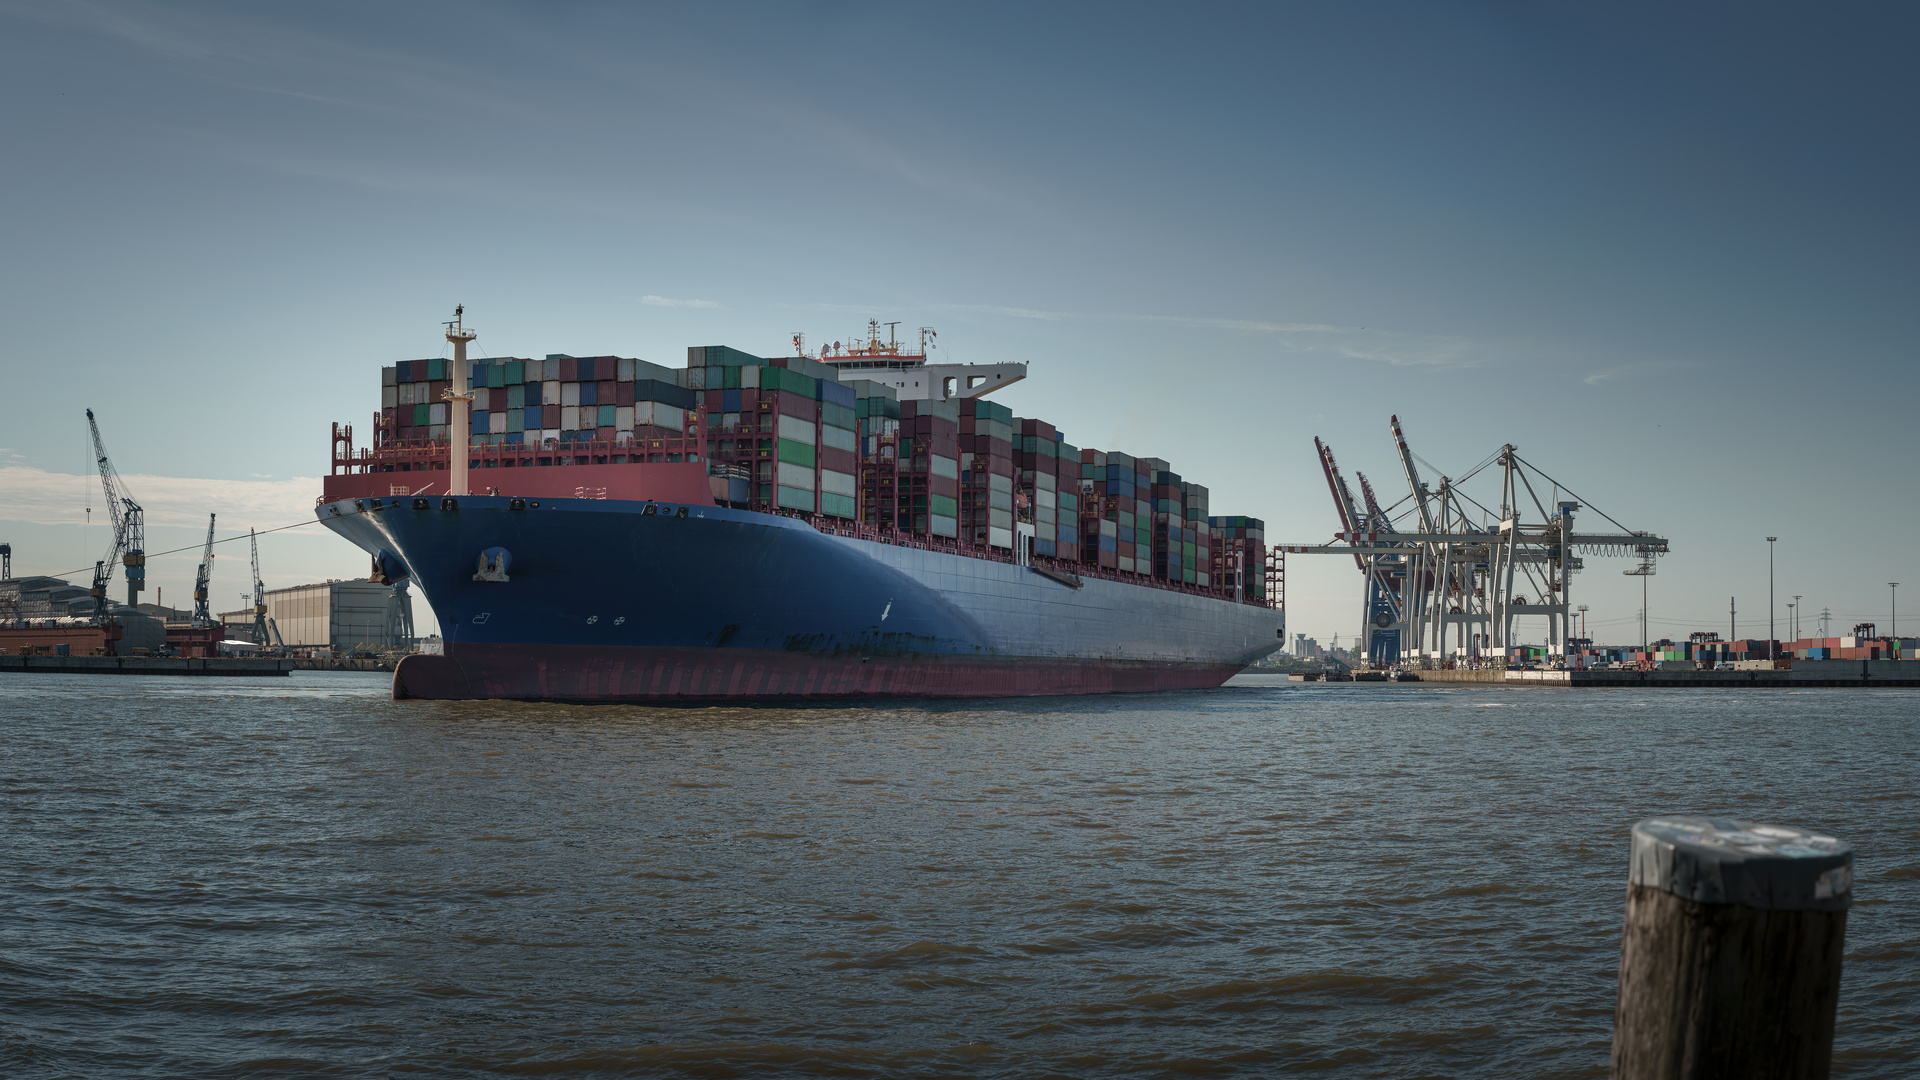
x=608 y=600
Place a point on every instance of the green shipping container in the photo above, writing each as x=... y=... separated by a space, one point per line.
x=420 y=415
x=837 y=416
x=606 y=416
x=730 y=378
x=792 y=382
x=496 y=375
x=795 y=499
x=797 y=453
x=516 y=372
x=943 y=505
x=835 y=505
x=436 y=369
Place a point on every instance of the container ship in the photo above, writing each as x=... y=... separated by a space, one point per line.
x=851 y=524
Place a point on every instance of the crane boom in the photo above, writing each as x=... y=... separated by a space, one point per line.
x=202 y=612
x=129 y=531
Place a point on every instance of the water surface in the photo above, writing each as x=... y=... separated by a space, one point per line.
x=300 y=877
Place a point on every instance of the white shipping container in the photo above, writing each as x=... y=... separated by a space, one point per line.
x=570 y=418
x=696 y=378
x=482 y=397
x=749 y=378
x=496 y=423
x=943 y=526
x=796 y=476
x=1000 y=538
x=659 y=415
x=389 y=376
x=550 y=435
x=389 y=397
x=1046 y=481
x=623 y=418
x=800 y=431
x=1109 y=528
x=998 y=483
x=1126 y=564
x=623 y=369
x=838 y=483
x=841 y=439
x=437 y=413
x=550 y=393
x=570 y=393
x=549 y=370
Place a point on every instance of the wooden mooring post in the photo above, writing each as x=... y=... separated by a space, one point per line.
x=1730 y=960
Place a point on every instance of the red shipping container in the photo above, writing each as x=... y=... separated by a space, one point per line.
x=842 y=461
x=716 y=400
x=604 y=392
x=790 y=404
x=622 y=393
x=549 y=416
x=569 y=369
x=436 y=391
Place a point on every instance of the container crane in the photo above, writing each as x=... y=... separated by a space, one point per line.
x=264 y=630
x=129 y=532
x=202 y=612
x=1459 y=577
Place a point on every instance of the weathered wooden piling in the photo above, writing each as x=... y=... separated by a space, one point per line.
x=1730 y=960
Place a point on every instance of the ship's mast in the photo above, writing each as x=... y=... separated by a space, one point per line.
x=459 y=400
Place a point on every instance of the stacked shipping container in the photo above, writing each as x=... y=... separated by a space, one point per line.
x=542 y=403
x=786 y=434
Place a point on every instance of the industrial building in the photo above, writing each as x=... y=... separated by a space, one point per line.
x=341 y=616
x=51 y=614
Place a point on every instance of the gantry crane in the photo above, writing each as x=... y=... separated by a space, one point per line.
x=264 y=630
x=1458 y=578
x=202 y=610
x=129 y=532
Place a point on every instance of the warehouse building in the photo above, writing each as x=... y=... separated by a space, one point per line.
x=341 y=616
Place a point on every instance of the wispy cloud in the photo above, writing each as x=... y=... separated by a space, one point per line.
x=49 y=498
x=666 y=301
x=1393 y=347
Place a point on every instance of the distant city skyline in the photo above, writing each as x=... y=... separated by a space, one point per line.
x=1666 y=252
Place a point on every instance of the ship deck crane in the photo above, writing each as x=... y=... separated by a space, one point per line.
x=202 y=611
x=129 y=532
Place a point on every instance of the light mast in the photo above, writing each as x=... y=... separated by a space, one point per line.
x=459 y=399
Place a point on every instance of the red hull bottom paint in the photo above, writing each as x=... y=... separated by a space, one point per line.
x=572 y=673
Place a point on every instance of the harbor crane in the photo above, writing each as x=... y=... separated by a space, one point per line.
x=202 y=610
x=129 y=532
x=264 y=630
x=1454 y=587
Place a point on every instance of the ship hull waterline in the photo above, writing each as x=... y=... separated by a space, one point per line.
x=632 y=601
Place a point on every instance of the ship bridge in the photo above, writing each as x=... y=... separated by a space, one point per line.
x=892 y=363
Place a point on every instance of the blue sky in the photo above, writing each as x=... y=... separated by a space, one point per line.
x=1667 y=252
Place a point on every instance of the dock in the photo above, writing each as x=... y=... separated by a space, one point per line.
x=1804 y=674
x=251 y=667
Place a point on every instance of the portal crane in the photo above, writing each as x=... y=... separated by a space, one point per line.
x=264 y=630
x=129 y=533
x=202 y=612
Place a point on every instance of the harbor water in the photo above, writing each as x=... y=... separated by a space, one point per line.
x=300 y=877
